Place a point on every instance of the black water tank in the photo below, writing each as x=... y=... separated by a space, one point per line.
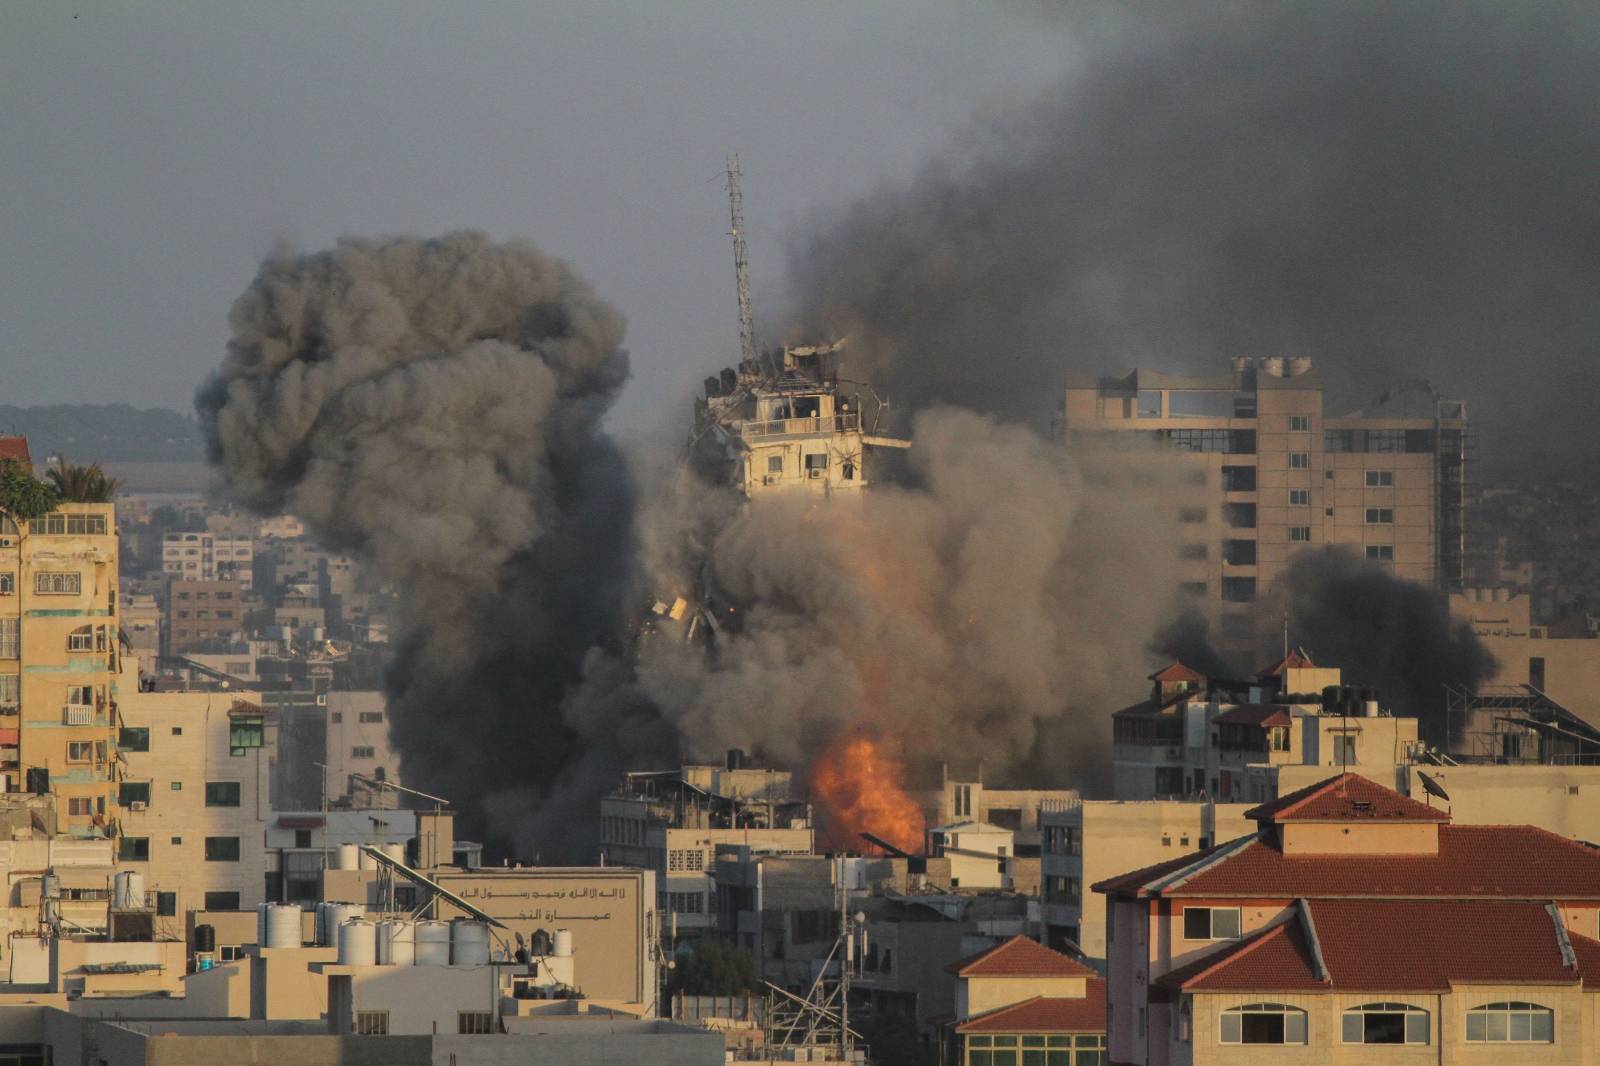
x=205 y=938
x=730 y=381
x=713 y=388
x=38 y=780
x=1330 y=699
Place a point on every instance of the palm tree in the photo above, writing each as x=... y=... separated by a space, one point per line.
x=77 y=483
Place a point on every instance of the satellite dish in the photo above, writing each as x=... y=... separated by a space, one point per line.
x=1432 y=787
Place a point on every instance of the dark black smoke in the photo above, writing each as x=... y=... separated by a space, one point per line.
x=1187 y=639
x=435 y=406
x=1392 y=188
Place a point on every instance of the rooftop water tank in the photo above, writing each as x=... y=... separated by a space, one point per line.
x=127 y=891
x=366 y=861
x=563 y=943
x=334 y=917
x=397 y=852
x=397 y=943
x=358 y=943
x=283 y=925
x=1273 y=366
x=1299 y=364
x=348 y=857
x=432 y=943
x=469 y=943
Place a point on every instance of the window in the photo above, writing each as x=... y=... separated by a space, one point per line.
x=177 y=786
x=474 y=1022
x=1380 y=516
x=1192 y=514
x=80 y=695
x=685 y=860
x=8 y=584
x=816 y=461
x=1536 y=672
x=1299 y=497
x=222 y=901
x=370 y=717
x=10 y=638
x=774 y=464
x=1239 y=515
x=81 y=639
x=57 y=524
x=1344 y=749
x=1226 y=441
x=1239 y=552
x=1514 y=1023
x=1384 y=552
x=130 y=792
x=302 y=838
x=244 y=734
x=1300 y=534
x=1149 y=403
x=1380 y=479
x=10 y=691
x=1385 y=1023
x=1210 y=923
x=133 y=849
x=1263 y=1023
x=222 y=849
x=57 y=583
x=80 y=751
x=1239 y=589
x=166 y=904
x=1192 y=551
x=1299 y=460
x=336 y=717
x=1278 y=738
x=222 y=793
x=1299 y=423
x=1238 y=479
x=81 y=807
x=363 y=751
x=1200 y=404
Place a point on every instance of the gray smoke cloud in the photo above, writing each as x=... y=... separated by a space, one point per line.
x=1393 y=189
x=435 y=406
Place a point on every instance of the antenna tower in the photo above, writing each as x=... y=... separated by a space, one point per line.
x=741 y=261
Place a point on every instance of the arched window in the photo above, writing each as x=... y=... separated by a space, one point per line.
x=1264 y=1023
x=1513 y=1022
x=81 y=639
x=1386 y=1023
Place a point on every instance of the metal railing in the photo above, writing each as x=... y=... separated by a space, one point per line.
x=794 y=427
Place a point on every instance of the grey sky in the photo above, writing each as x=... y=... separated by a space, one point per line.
x=150 y=155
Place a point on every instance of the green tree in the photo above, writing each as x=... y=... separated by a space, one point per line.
x=78 y=483
x=23 y=496
x=714 y=968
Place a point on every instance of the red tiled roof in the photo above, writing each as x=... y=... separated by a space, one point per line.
x=1474 y=862
x=1178 y=672
x=1345 y=798
x=1254 y=714
x=1401 y=946
x=1045 y=1014
x=1133 y=880
x=1019 y=957
x=15 y=448
x=1295 y=660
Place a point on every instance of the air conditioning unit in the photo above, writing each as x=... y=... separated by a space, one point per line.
x=769 y=479
x=137 y=806
x=8 y=542
x=74 y=714
x=814 y=473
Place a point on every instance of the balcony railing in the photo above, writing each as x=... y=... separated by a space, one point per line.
x=798 y=427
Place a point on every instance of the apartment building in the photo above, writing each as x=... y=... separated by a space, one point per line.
x=672 y=822
x=1283 y=475
x=195 y=797
x=358 y=750
x=1353 y=917
x=1088 y=842
x=960 y=794
x=201 y=613
x=1562 y=664
x=59 y=661
x=1251 y=740
x=1020 y=1002
x=208 y=556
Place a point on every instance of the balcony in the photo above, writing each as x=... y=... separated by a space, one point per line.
x=800 y=427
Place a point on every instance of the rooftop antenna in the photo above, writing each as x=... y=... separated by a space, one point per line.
x=741 y=262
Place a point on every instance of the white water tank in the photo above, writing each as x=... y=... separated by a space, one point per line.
x=1299 y=364
x=358 y=943
x=348 y=857
x=432 y=943
x=469 y=943
x=1272 y=366
x=367 y=862
x=563 y=943
x=283 y=925
x=397 y=943
x=397 y=852
x=127 y=891
x=334 y=917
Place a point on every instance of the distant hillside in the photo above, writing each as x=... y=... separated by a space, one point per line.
x=106 y=433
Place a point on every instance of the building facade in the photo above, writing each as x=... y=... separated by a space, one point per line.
x=208 y=556
x=200 y=613
x=1284 y=475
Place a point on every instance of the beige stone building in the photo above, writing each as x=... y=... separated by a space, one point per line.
x=1019 y=1003
x=202 y=612
x=1284 y=475
x=59 y=661
x=1564 y=668
x=1355 y=917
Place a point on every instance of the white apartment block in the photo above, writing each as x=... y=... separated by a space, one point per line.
x=208 y=557
x=358 y=743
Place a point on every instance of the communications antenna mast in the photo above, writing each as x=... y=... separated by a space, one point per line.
x=741 y=262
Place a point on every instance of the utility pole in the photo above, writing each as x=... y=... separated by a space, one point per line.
x=741 y=262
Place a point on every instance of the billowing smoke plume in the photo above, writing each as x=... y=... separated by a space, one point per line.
x=1392 y=189
x=1007 y=587
x=434 y=405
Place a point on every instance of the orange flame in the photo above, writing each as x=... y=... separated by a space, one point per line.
x=858 y=787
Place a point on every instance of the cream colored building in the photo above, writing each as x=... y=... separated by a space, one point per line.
x=980 y=855
x=1088 y=842
x=1566 y=669
x=208 y=556
x=59 y=662
x=963 y=795
x=1020 y=1002
x=1285 y=476
x=358 y=743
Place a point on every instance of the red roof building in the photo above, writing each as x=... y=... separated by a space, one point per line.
x=1401 y=927
x=16 y=448
x=1020 y=996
